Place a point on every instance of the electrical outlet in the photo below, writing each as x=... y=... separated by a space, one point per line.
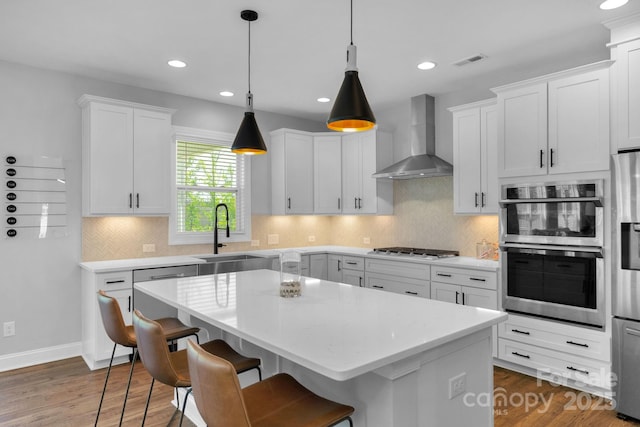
x=312 y=238
x=255 y=243
x=148 y=247
x=273 y=239
x=9 y=329
x=457 y=385
x=366 y=240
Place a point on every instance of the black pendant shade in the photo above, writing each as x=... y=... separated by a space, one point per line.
x=351 y=111
x=248 y=139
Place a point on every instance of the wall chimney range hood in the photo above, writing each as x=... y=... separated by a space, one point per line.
x=423 y=162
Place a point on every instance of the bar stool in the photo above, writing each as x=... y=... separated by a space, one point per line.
x=172 y=368
x=277 y=401
x=124 y=335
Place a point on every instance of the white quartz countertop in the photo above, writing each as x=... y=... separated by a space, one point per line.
x=336 y=330
x=139 y=263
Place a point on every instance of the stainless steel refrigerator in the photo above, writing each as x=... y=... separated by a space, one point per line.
x=626 y=283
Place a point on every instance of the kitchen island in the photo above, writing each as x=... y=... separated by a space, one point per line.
x=400 y=361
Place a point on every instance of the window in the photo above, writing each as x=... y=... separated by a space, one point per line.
x=205 y=174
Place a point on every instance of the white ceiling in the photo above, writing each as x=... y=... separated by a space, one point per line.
x=298 y=46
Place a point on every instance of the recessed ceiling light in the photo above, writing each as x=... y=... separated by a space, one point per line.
x=323 y=99
x=427 y=65
x=612 y=4
x=226 y=93
x=176 y=63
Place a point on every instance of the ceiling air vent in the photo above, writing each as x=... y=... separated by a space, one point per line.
x=469 y=60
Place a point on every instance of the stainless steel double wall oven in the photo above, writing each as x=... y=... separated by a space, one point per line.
x=551 y=238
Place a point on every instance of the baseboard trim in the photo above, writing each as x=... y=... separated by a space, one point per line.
x=24 y=359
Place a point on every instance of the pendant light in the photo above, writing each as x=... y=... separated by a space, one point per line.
x=248 y=139
x=351 y=111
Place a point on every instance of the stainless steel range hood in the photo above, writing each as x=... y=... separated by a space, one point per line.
x=423 y=161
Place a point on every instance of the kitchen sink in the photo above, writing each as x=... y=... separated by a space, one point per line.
x=230 y=263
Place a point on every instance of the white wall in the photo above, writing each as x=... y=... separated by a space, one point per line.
x=40 y=285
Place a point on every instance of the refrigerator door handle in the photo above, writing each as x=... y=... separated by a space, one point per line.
x=632 y=331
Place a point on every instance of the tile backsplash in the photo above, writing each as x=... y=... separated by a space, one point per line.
x=423 y=217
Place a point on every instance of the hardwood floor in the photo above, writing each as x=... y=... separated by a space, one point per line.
x=66 y=393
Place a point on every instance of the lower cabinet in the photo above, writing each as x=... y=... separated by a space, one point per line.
x=96 y=345
x=466 y=287
x=407 y=278
x=346 y=269
x=318 y=266
x=558 y=351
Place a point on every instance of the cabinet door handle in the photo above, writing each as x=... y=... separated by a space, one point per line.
x=288 y=202
x=475 y=202
x=551 y=160
x=526 y=356
x=443 y=275
x=359 y=203
x=338 y=265
x=518 y=331
x=541 y=155
x=377 y=287
x=355 y=203
x=582 y=371
x=137 y=200
x=338 y=203
x=457 y=293
x=130 y=200
x=476 y=279
x=483 y=204
x=463 y=299
x=411 y=293
x=578 y=344
x=360 y=281
x=129 y=308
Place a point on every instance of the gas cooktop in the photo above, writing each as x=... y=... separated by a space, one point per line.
x=417 y=252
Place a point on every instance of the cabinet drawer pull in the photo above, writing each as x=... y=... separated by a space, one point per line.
x=582 y=371
x=518 y=331
x=113 y=282
x=526 y=356
x=351 y=262
x=377 y=286
x=167 y=276
x=475 y=279
x=411 y=293
x=631 y=331
x=443 y=275
x=578 y=344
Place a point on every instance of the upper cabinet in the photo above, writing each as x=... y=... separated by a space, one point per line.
x=555 y=124
x=330 y=173
x=291 y=172
x=475 y=158
x=327 y=164
x=363 y=154
x=125 y=158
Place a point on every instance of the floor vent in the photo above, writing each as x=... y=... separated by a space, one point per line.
x=469 y=60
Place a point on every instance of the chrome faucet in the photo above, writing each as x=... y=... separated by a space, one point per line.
x=217 y=245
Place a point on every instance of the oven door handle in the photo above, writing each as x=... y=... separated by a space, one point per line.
x=571 y=251
x=596 y=200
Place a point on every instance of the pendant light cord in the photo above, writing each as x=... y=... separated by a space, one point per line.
x=249 y=58
x=351 y=21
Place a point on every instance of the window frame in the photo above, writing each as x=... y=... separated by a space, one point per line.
x=188 y=134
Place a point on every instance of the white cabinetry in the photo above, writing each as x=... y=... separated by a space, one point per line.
x=125 y=158
x=291 y=172
x=327 y=182
x=353 y=270
x=555 y=124
x=363 y=154
x=475 y=288
x=557 y=350
x=96 y=345
x=318 y=266
x=408 y=278
x=625 y=51
x=475 y=158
